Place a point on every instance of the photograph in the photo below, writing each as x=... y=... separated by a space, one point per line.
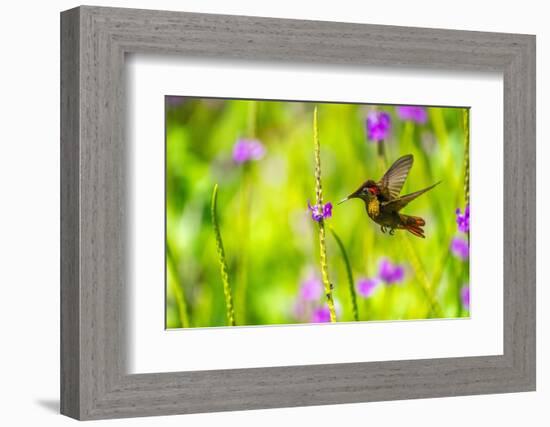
x=286 y=212
x=270 y=210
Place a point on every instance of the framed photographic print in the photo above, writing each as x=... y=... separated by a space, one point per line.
x=262 y=213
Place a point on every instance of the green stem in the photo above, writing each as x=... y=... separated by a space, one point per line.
x=458 y=288
x=440 y=128
x=422 y=277
x=177 y=288
x=382 y=154
x=222 y=260
x=349 y=273
x=466 y=123
x=440 y=268
x=408 y=133
x=241 y=296
x=389 y=302
x=322 y=243
x=252 y=111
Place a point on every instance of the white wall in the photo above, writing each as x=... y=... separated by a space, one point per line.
x=29 y=225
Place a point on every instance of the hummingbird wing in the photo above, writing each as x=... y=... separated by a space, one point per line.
x=396 y=205
x=392 y=181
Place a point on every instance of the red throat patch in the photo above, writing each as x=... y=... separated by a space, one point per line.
x=373 y=190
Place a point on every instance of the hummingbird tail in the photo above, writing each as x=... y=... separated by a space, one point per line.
x=413 y=224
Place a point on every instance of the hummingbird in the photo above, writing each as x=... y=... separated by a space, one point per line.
x=383 y=202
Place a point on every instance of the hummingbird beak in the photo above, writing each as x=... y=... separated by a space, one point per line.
x=351 y=196
x=342 y=201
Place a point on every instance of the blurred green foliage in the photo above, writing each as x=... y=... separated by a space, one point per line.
x=271 y=242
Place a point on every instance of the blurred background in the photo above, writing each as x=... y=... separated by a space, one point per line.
x=261 y=154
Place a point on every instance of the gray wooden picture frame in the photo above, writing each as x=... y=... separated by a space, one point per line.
x=94 y=381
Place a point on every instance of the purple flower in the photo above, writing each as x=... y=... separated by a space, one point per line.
x=378 y=125
x=366 y=286
x=463 y=221
x=390 y=273
x=465 y=296
x=320 y=315
x=318 y=216
x=245 y=150
x=460 y=248
x=413 y=113
x=311 y=288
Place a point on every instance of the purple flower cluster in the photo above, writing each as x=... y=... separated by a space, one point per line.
x=311 y=288
x=388 y=273
x=319 y=214
x=465 y=296
x=460 y=248
x=320 y=315
x=310 y=305
x=309 y=292
x=413 y=113
x=378 y=125
x=246 y=150
x=366 y=286
x=463 y=220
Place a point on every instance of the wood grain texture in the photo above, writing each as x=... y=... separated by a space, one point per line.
x=70 y=221
x=94 y=270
